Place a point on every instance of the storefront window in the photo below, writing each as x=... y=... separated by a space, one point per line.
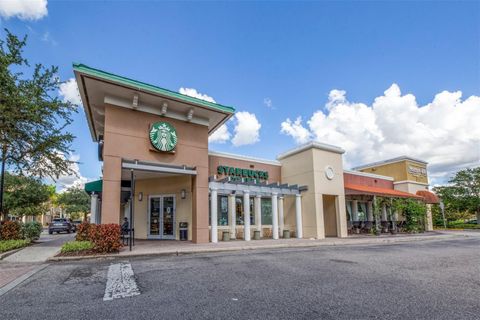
x=349 y=211
x=240 y=213
x=266 y=204
x=362 y=211
x=222 y=210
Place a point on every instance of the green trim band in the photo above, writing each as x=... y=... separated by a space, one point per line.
x=148 y=87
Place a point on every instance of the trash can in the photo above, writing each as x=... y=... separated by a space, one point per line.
x=286 y=234
x=256 y=235
x=226 y=236
x=183 y=228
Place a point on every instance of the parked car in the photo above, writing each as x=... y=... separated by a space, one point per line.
x=61 y=225
x=75 y=224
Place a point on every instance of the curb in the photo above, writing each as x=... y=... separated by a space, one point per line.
x=9 y=253
x=313 y=244
x=9 y=286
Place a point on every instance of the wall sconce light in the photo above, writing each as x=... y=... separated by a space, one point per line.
x=183 y=193
x=140 y=196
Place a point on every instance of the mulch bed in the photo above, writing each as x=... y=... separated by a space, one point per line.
x=82 y=253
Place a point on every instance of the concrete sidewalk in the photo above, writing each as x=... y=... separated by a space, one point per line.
x=46 y=247
x=145 y=248
x=19 y=266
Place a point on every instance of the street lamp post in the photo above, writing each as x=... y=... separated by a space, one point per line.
x=442 y=207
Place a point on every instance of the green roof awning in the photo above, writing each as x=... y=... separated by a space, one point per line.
x=148 y=87
x=94 y=186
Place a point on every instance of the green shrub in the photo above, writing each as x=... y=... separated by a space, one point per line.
x=76 y=246
x=7 y=245
x=11 y=230
x=32 y=230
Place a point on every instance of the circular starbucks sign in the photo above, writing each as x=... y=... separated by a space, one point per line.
x=163 y=136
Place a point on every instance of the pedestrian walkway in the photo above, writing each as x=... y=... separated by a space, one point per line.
x=173 y=247
x=38 y=253
x=16 y=268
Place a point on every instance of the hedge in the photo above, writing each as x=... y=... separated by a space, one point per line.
x=7 y=245
x=11 y=230
x=77 y=246
x=105 y=237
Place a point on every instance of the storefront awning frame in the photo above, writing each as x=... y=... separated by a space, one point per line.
x=226 y=186
x=157 y=167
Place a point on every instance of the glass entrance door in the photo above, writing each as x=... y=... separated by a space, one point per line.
x=161 y=217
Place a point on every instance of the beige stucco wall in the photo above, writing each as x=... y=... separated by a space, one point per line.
x=126 y=136
x=215 y=161
x=308 y=168
x=163 y=186
x=410 y=187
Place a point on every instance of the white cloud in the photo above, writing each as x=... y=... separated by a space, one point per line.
x=194 y=93
x=23 y=9
x=69 y=92
x=47 y=37
x=74 y=180
x=268 y=103
x=295 y=129
x=444 y=133
x=247 y=129
x=221 y=135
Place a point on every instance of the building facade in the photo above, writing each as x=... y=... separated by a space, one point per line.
x=159 y=173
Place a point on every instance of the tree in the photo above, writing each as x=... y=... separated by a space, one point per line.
x=26 y=196
x=33 y=139
x=75 y=201
x=463 y=192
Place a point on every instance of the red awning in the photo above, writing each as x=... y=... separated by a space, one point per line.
x=429 y=197
x=352 y=189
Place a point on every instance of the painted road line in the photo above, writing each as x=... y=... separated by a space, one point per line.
x=120 y=282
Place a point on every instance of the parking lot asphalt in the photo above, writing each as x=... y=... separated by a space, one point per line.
x=415 y=280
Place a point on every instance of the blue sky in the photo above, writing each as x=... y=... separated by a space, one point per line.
x=292 y=53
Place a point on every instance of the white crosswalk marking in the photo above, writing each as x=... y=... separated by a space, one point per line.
x=121 y=282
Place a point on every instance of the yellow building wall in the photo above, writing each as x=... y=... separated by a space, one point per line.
x=163 y=186
x=399 y=171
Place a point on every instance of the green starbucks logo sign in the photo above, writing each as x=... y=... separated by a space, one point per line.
x=163 y=136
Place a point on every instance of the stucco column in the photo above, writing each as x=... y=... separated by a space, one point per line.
x=370 y=210
x=213 y=210
x=298 y=215
x=384 y=212
x=274 y=216
x=246 y=216
x=232 y=216
x=429 y=224
x=258 y=213
x=112 y=176
x=281 y=220
x=355 y=210
x=93 y=208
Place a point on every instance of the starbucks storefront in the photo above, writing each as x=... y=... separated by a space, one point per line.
x=159 y=173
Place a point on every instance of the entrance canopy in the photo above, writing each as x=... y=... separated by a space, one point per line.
x=94 y=187
x=159 y=168
x=353 y=189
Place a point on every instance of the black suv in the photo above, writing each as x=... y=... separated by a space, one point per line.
x=61 y=225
